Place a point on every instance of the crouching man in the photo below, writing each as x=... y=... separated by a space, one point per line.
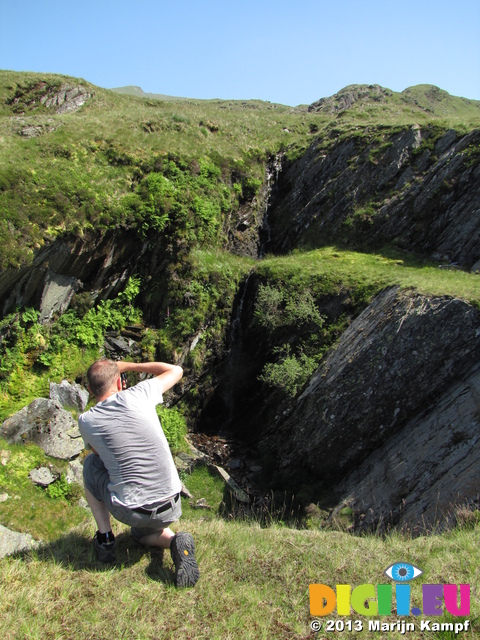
x=131 y=474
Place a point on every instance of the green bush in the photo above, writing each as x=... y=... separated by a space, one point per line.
x=174 y=427
x=276 y=307
x=290 y=373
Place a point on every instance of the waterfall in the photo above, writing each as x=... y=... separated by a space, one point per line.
x=274 y=168
x=235 y=337
x=235 y=356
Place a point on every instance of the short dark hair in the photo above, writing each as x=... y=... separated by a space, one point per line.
x=101 y=375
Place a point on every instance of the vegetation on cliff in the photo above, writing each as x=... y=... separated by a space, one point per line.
x=189 y=178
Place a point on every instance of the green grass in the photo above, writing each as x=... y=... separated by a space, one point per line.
x=73 y=178
x=29 y=508
x=332 y=269
x=254 y=583
x=254 y=578
x=204 y=485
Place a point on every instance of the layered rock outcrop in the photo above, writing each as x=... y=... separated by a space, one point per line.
x=100 y=265
x=390 y=423
x=414 y=189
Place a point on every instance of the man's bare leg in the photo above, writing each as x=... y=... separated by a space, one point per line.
x=162 y=539
x=99 y=511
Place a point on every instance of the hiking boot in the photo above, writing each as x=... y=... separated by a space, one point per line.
x=182 y=550
x=105 y=550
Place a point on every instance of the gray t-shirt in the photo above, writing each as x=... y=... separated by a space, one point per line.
x=126 y=433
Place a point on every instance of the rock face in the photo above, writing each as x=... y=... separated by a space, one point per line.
x=99 y=265
x=66 y=98
x=69 y=395
x=46 y=424
x=427 y=469
x=60 y=98
x=382 y=407
x=413 y=188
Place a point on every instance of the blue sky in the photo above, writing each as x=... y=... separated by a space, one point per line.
x=291 y=52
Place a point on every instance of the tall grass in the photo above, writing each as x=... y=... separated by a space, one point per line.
x=255 y=573
x=254 y=583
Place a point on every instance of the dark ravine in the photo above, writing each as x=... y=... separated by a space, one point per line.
x=389 y=425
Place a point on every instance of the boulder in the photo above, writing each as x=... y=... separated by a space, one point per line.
x=69 y=395
x=13 y=542
x=42 y=476
x=46 y=424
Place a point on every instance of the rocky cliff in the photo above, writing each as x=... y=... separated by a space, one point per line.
x=98 y=263
x=390 y=424
x=416 y=189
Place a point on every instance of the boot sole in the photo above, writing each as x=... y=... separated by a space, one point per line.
x=186 y=567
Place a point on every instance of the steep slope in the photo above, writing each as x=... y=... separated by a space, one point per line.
x=294 y=353
x=391 y=417
x=417 y=189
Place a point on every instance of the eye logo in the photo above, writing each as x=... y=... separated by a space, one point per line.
x=402 y=572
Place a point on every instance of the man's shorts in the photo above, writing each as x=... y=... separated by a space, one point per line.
x=96 y=480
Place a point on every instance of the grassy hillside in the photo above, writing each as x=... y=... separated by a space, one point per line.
x=254 y=584
x=179 y=174
x=69 y=173
x=255 y=573
x=174 y=173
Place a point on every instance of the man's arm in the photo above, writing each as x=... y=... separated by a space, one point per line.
x=167 y=374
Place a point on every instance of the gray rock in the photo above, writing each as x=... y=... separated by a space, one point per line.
x=385 y=391
x=12 y=542
x=83 y=504
x=66 y=99
x=57 y=294
x=69 y=395
x=185 y=462
x=42 y=476
x=424 y=202
x=119 y=345
x=75 y=472
x=233 y=487
x=185 y=492
x=420 y=476
x=46 y=424
x=476 y=267
x=99 y=264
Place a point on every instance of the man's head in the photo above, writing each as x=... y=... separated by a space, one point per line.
x=102 y=377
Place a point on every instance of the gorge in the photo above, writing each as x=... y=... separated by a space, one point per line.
x=316 y=277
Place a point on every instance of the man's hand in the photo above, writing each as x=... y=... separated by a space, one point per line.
x=167 y=374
